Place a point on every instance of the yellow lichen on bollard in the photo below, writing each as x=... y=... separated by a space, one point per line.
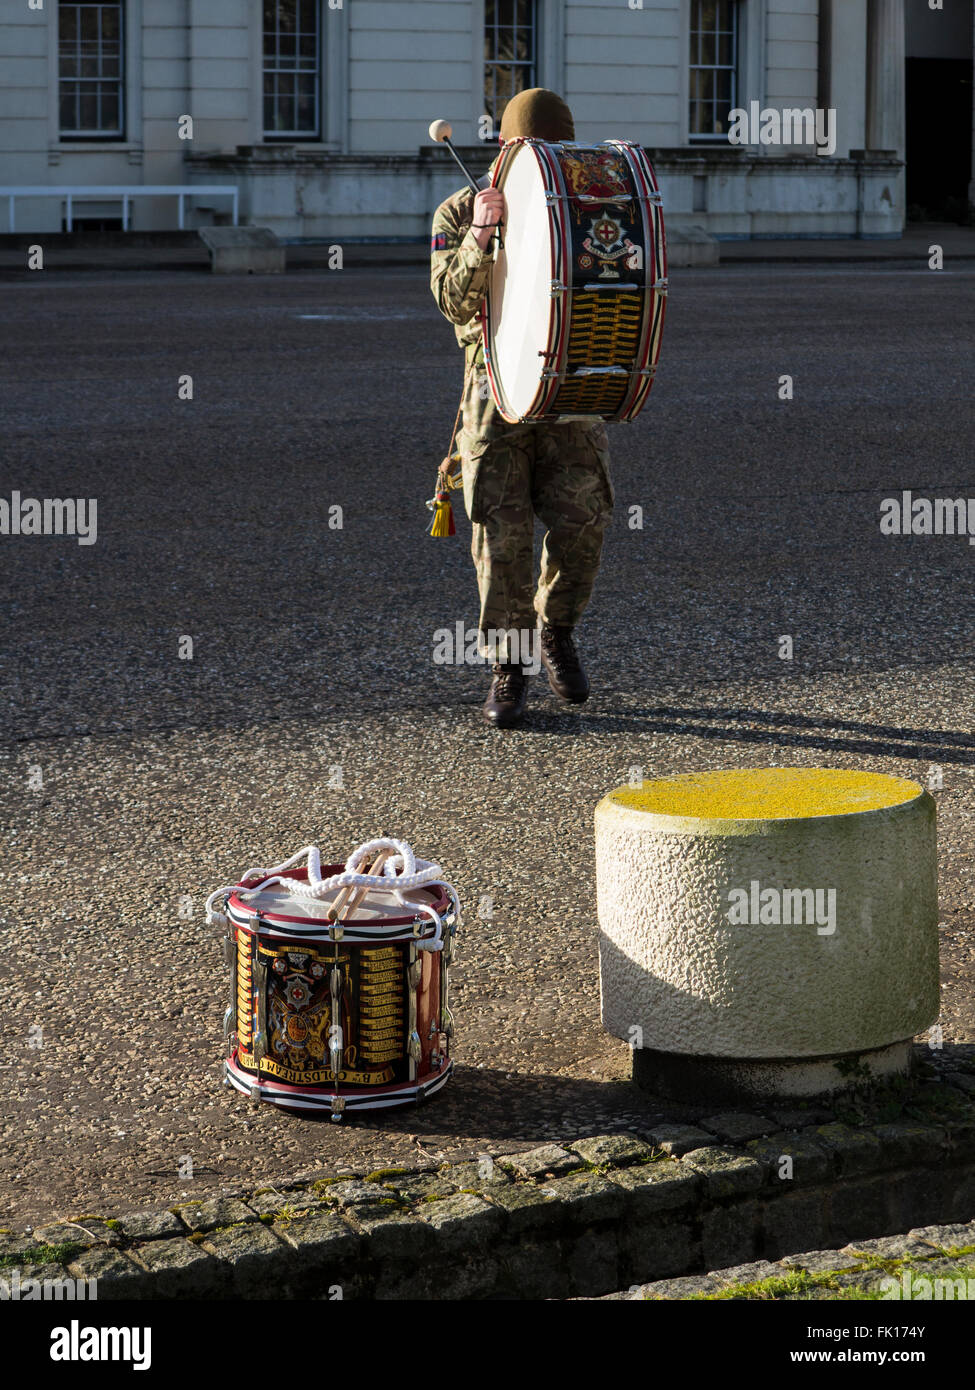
x=767 y=793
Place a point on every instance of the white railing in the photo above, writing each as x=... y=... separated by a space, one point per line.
x=99 y=193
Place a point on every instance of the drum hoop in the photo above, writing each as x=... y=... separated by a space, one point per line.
x=558 y=311
x=249 y=914
x=645 y=183
x=354 y=933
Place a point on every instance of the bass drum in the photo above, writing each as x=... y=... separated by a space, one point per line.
x=575 y=306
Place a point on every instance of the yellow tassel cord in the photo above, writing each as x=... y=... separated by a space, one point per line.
x=439 y=503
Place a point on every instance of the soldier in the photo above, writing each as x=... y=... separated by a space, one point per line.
x=513 y=473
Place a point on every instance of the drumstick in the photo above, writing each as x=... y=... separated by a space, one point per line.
x=350 y=898
x=441 y=131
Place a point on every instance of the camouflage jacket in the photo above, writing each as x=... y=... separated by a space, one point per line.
x=459 y=275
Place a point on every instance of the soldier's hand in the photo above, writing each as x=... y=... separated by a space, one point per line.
x=488 y=212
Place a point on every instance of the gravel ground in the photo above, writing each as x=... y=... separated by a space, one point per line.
x=135 y=782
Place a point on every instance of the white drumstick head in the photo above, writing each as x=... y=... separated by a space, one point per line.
x=441 y=130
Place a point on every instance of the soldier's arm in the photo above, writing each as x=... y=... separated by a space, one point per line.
x=460 y=266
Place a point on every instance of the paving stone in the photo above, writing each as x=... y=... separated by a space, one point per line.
x=685 y=1287
x=116 y=1274
x=536 y=1269
x=424 y=1185
x=15 y=1278
x=948 y=1237
x=549 y=1161
x=749 y=1273
x=587 y=1197
x=593 y=1259
x=479 y=1174
x=729 y=1233
x=255 y=1257
x=320 y=1239
x=907 y=1144
x=859 y=1208
x=463 y=1222
x=678 y=1140
x=181 y=1269
x=91 y=1231
x=656 y=1187
x=819 y=1261
x=355 y=1193
x=810 y=1163
x=736 y=1127
x=528 y=1208
x=394 y=1235
x=887 y=1247
x=216 y=1211
x=794 y=1118
x=144 y=1225
x=612 y=1150
x=792 y=1220
x=298 y=1200
x=853 y=1150
x=725 y=1173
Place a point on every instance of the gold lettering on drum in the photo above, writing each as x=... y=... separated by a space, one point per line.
x=292 y=1076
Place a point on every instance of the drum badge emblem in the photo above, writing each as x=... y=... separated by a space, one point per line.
x=607 y=242
x=594 y=174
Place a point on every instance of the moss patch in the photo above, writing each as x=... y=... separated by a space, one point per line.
x=42 y=1255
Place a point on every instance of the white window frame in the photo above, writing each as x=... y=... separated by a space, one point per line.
x=333 y=80
x=705 y=138
x=131 y=144
x=72 y=136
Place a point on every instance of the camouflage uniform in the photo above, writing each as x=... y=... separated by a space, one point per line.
x=513 y=473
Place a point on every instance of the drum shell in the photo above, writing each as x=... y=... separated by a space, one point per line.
x=282 y=1008
x=600 y=353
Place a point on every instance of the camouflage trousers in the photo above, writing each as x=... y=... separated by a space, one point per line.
x=560 y=474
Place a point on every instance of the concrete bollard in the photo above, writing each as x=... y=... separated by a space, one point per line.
x=767 y=933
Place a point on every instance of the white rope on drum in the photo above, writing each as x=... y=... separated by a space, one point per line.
x=399 y=876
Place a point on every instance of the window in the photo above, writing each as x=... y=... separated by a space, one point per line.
x=90 y=70
x=713 y=67
x=292 y=69
x=509 y=52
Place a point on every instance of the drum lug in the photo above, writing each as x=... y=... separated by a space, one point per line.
x=338 y=1109
x=229 y=949
x=228 y=1021
x=255 y=1095
x=336 y=933
x=414 y=972
x=415 y=1047
x=549 y=374
x=555 y=288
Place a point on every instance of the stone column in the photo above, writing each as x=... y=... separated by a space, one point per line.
x=885 y=75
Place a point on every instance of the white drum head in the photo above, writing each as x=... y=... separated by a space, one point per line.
x=520 y=302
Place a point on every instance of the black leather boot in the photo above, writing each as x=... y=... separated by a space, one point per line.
x=562 y=665
x=507 y=697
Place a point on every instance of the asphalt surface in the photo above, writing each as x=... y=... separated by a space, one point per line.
x=134 y=782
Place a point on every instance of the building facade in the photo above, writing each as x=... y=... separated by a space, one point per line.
x=762 y=117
